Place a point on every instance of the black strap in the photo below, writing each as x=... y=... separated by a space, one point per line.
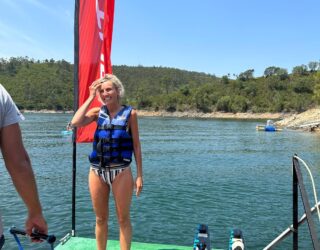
x=115 y=140
x=100 y=147
x=110 y=159
x=115 y=149
x=117 y=158
x=107 y=148
x=112 y=127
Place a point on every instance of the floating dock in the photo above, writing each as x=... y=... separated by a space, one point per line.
x=81 y=243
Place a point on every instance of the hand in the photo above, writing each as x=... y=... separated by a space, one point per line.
x=36 y=222
x=96 y=85
x=69 y=127
x=139 y=185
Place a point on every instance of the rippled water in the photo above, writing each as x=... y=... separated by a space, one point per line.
x=219 y=172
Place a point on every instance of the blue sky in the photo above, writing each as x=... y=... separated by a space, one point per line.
x=215 y=37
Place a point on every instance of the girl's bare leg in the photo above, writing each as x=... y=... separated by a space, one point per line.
x=100 y=200
x=122 y=188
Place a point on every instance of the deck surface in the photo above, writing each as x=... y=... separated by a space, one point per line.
x=80 y=243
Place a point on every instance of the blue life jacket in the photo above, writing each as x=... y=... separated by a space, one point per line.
x=112 y=141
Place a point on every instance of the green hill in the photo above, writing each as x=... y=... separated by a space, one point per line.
x=48 y=84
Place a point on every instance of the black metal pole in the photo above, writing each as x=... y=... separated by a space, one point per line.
x=295 y=205
x=75 y=107
x=306 y=204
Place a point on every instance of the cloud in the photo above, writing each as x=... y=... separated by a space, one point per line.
x=57 y=11
x=14 y=42
x=39 y=5
x=12 y=34
x=36 y=29
x=13 y=6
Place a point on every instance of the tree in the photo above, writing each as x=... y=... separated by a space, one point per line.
x=300 y=70
x=276 y=71
x=185 y=90
x=270 y=71
x=248 y=74
x=224 y=104
x=225 y=79
x=283 y=74
x=239 y=104
x=316 y=91
x=37 y=85
x=313 y=66
x=302 y=86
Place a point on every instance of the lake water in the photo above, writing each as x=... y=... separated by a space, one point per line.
x=219 y=172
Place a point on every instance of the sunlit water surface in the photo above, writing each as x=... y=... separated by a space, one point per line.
x=220 y=172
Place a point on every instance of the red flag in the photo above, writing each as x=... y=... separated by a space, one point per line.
x=95 y=25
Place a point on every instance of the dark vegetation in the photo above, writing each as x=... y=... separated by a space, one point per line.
x=48 y=84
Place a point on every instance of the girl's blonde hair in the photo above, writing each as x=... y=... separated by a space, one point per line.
x=115 y=81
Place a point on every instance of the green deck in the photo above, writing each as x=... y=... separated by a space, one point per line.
x=80 y=243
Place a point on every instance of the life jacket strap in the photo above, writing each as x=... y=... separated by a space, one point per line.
x=112 y=127
x=115 y=140
x=110 y=149
x=115 y=159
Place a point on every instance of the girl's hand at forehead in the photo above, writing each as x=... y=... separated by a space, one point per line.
x=94 y=87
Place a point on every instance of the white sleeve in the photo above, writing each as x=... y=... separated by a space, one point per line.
x=9 y=113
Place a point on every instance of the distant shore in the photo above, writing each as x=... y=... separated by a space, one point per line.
x=213 y=115
x=45 y=111
x=293 y=121
x=189 y=114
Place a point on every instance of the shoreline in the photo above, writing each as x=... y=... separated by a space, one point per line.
x=189 y=114
x=214 y=115
x=305 y=121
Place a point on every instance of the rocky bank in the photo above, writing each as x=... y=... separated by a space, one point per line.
x=308 y=120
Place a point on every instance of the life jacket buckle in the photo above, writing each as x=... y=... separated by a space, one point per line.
x=108 y=126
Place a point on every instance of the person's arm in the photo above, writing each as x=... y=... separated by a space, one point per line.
x=133 y=124
x=83 y=117
x=19 y=167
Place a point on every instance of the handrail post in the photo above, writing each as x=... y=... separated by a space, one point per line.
x=294 y=206
x=297 y=183
x=75 y=107
x=297 y=174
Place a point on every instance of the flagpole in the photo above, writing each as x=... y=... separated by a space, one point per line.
x=75 y=107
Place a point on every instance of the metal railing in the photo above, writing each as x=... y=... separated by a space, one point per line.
x=297 y=181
